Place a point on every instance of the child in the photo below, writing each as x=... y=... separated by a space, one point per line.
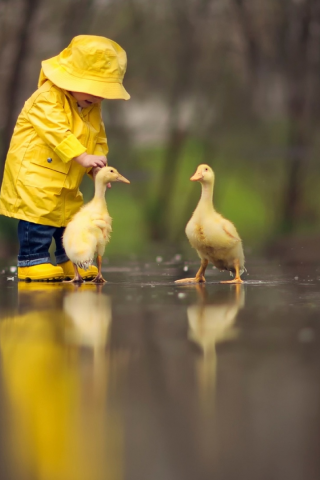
x=59 y=136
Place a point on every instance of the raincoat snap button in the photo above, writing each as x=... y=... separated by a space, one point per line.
x=49 y=160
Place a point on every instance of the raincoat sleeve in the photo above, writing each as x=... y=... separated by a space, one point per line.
x=102 y=144
x=48 y=117
x=101 y=147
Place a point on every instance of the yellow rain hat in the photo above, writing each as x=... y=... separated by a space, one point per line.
x=90 y=64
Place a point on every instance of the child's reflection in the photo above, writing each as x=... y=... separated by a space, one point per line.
x=61 y=428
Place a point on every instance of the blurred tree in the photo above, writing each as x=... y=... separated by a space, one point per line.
x=28 y=10
x=77 y=18
x=226 y=82
x=184 y=50
x=286 y=43
x=166 y=44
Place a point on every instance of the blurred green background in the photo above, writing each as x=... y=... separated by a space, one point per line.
x=231 y=83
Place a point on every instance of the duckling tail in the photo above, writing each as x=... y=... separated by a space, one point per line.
x=85 y=265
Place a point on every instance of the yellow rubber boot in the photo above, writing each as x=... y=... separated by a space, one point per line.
x=43 y=271
x=68 y=271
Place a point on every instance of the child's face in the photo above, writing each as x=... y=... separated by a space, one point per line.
x=85 y=99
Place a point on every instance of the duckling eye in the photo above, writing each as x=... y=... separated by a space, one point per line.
x=111 y=171
x=206 y=169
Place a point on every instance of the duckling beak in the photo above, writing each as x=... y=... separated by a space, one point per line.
x=196 y=177
x=122 y=179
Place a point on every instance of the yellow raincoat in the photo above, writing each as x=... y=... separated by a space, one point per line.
x=41 y=179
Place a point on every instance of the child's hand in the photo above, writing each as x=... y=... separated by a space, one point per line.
x=94 y=171
x=87 y=160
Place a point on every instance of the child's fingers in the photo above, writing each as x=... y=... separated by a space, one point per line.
x=102 y=162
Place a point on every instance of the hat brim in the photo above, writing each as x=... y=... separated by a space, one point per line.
x=99 y=88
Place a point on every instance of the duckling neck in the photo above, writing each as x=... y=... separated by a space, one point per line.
x=206 y=196
x=99 y=192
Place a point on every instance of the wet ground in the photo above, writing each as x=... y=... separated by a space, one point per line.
x=141 y=379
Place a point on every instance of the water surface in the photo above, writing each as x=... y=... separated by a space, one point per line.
x=142 y=379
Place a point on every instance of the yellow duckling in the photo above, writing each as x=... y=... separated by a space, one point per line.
x=89 y=230
x=215 y=238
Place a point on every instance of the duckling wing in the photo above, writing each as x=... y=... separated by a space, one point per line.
x=231 y=231
x=99 y=223
x=218 y=233
x=80 y=245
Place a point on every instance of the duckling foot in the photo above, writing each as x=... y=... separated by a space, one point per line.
x=77 y=277
x=191 y=280
x=234 y=281
x=199 y=278
x=237 y=278
x=99 y=279
x=77 y=281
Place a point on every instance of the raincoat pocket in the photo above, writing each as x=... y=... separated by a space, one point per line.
x=44 y=169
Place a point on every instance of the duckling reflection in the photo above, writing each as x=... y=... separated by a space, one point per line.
x=58 y=428
x=211 y=321
x=90 y=317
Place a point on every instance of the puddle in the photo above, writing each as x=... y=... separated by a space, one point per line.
x=142 y=378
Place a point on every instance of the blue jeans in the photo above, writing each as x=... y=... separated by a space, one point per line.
x=35 y=241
